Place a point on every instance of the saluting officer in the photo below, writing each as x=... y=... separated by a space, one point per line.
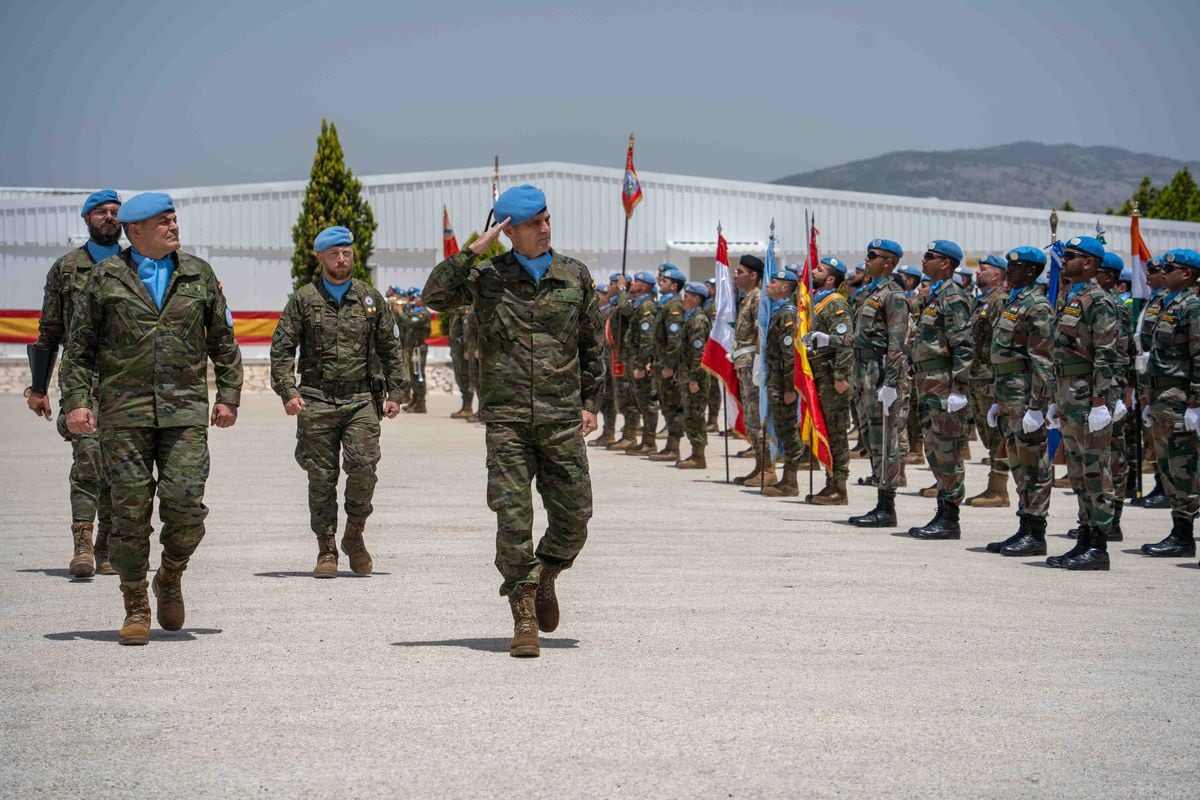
x=692 y=376
x=342 y=329
x=831 y=356
x=668 y=346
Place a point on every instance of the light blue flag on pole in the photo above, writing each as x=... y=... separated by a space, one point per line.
x=760 y=364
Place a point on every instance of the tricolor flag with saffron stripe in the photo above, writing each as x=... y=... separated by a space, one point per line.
x=1141 y=256
x=719 y=348
x=449 y=241
x=812 y=421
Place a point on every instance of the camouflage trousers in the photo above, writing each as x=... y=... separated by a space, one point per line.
x=786 y=419
x=714 y=397
x=982 y=396
x=627 y=402
x=462 y=371
x=670 y=401
x=835 y=408
x=606 y=398
x=1175 y=452
x=695 y=411
x=1119 y=458
x=90 y=499
x=325 y=432
x=414 y=370
x=909 y=434
x=868 y=378
x=555 y=455
x=749 y=398
x=946 y=435
x=473 y=374
x=1087 y=455
x=644 y=399
x=132 y=456
x=1027 y=459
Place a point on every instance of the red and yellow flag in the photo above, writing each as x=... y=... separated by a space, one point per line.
x=812 y=421
x=631 y=189
x=449 y=242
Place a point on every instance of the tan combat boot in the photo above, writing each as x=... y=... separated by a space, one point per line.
x=836 y=497
x=914 y=457
x=670 y=451
x=419 y=406
x=168 y=589
x=353 y=546
x=996 y=494
x=646 y=448
x=606 y=437
x=136 y=628
x=103 y=565
x=787 y=487
x=628 y=439
x=525 y=624
x=81 y=563
x=463 y=412
x=327 y=557
x=695 y=460
x=545 y=601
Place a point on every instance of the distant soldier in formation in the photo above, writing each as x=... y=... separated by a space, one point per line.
x=668 y=347
x=454 y=323
x=988 y=307
x=65 y=284
x=831 y=356
x=639 y=316
x=150 y=319
x=627 y=397
x=693 y=378
x=780 y=360
x=748 y=276
x=1124 y=382
x=416 y=325
x=342 y=330
x=607 y=401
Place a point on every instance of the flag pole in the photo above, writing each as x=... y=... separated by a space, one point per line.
x=809 y=224
x=1137 y=402
x=767 y=456
x=724 y=389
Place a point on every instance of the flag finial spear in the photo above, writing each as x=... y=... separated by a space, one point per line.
x=631 y=138
x=1054 y=225
x=718 y=226
x=1134 y=205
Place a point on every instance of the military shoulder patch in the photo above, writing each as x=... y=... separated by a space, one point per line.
x=1073 y=310
x=873 y=302
x=1010 y=315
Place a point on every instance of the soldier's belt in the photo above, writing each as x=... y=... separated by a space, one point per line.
x=1073 y=368
x=1010 y=367
x=1169 y=382
x=338 y=388
x=932 y=365
x=870 y=352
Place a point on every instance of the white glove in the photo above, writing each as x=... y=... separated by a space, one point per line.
x=1141 y=362
x=1146 y=415
x=1099 y=418
x=1032 y=420
x=1120 y=411
x=1052 y=417
x=993 y=415
x=817 y=339
x=1191 y=419
x=887 y=395
x=955 y=402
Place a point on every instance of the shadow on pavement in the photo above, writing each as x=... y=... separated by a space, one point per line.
x=308 y=574
x=59 y=573
x=1188 y=565
x=110 y=635
x=496 y=645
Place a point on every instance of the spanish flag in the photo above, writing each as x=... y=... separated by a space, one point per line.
x=812 y=421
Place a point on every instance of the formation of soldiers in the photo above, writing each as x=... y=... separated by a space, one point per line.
x=532 y=336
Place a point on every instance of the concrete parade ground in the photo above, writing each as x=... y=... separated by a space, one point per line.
x=713 y=644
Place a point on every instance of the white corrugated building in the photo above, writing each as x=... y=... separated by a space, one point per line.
x=245 y=230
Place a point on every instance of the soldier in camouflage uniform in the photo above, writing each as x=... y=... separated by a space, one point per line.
x=454 y=325
x=541 y=372
x=1124 y=380
x=881 y=328
x=149 y=320
x=988 y=306
x=941 y=359
x=606 y=400
x=627 y=399
x=416 y=325
x=911 y=435
x=692 y=376
x=1085 y=360
x=748 y=275
x=1171 y=384
x=638 y=350
x=831 y=356
x=668 y=349
x=339 y=325
x=780 y=359
x=65 y=282
x=1021 y=335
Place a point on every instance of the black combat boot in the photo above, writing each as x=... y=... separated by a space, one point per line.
x=1074 y=532
x=1115 y=534
x=1180 y=542
x=1076 y=549
x=937 y=518
x=945 y=527
x=1032 y=543
x=1022 y=529
x=883 y=515
x=1095 y=557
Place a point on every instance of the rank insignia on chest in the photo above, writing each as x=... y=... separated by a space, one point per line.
x=930 y=311
x=787 y=323
x=1073 y=311
x=1167 y=318
x=1010 y=314
x=839 y=312
x=873 y=302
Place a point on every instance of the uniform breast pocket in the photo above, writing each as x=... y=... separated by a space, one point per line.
x=868 y=313
x=561 y=320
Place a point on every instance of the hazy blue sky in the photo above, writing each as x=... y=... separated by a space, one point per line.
x=185 y=93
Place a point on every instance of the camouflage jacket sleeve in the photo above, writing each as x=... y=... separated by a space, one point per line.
x=644 y=319
x=283 y=349
x=1124 y=374
x=1192 y=328
x=52 y=326
x=1039 y=344
x=591 y=356
x=899 y=321
x=672 y=344
x=958 y=341
x=79 y=361
x=698 y=328
x=449 y=285
x=221 y=344
x=1104 y=325
x=387 y=349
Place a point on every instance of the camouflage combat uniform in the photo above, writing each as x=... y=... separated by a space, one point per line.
x=714 y=386
x=696 y=327
x=941 y=360
x=338 y=344
x=540 y=367
x=151 y=365
x=639 y=354
x=745 y=345
x=606 y=399
x=415 y=327
x=65 y=283
x=988 y=308
x=780 y=358
x=627 y=399
x=1124 y=378
x=832 y=363
x=668 y=344
x=881 y=327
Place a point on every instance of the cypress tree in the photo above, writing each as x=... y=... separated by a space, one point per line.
x=1179 y=199
x=333 y=197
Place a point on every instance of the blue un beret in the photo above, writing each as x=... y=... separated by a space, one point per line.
x=144 y=206
x=1024 y=254
x=696 y=288
x=335 y=236
x=1182 y=256
x=947 y=248
x=98 y=199
x=1154 y=262
x=834 y=263
x=520 y=204
x=860 y=267
x=992 y=261
x=645 y=277
x=414 y=291
x=888 y=245
x=1088 y=245
x=785 y=275
x=1112 y=262
x=672 y=272
x=614 y=277
x=908 y=269
x=1126 y=275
